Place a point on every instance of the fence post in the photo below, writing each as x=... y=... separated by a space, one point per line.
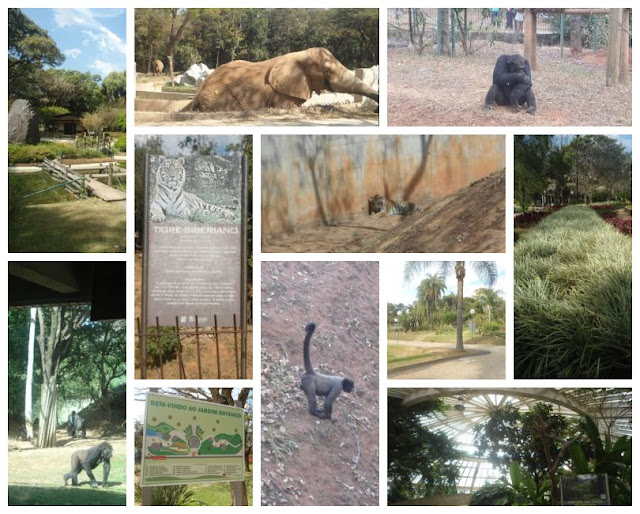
x=561 y=35
x=159 y=342
x=180 y=365
x=198 y=348
x=215 y=328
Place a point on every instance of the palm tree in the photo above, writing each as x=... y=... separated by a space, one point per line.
x=429 y=292
x=486 y=270
x=490 y=300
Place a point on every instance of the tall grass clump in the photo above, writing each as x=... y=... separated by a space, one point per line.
x=572 y=298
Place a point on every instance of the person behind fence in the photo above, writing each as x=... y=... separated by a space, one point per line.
x=519 y=20
x=495 y=12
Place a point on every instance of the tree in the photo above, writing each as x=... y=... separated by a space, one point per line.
x=28 y=398
x=102 y=346
x=175 y=33
x=530 y=165
x=30 y=51
x=56 y=327
x=537 y=439
x=490 y=301
x=78 y=92
x=429 y=292
x=114 y=88
x=486 y=270
x=421 y=462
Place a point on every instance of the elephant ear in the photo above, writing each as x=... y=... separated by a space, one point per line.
x=287 y=76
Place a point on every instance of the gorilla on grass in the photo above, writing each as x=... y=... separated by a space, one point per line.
x=511 y=84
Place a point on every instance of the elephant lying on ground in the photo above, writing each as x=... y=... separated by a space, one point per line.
x=282 y=82
x=158 y=66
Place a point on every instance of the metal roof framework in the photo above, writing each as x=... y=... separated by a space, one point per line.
x=464 y=408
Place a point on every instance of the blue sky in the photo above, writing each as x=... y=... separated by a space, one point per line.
x=92 y=40
x=394 y=289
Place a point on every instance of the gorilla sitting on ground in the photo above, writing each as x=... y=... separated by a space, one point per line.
x=511 y=84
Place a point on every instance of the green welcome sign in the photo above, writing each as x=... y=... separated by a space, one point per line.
x=191 y=441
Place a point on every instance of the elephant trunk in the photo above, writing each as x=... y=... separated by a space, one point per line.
x=349 y=83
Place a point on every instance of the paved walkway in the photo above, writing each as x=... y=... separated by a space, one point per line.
x=487 y=366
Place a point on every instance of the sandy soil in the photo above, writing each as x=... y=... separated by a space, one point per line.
x=228 y=345
x=305 y=460
x=436 y=91
x=473 y=220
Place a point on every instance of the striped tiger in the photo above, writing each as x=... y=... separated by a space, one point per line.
x=381 y=206
x=169 y=198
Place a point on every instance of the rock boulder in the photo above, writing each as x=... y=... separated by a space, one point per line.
x=23 y=123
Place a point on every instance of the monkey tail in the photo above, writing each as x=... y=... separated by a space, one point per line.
x=310 y=328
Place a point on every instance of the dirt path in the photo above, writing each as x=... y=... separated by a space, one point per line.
x=472 y=220
x=306 y=460
x=487 y=366
x=427 y=90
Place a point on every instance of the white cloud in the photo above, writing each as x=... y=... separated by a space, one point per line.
x=106 y=41
x=73 y=53
x=104 y=68
x=67 y=17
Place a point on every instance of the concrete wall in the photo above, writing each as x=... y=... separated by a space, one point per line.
x=316 y=178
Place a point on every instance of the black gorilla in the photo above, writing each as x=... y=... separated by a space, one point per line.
x=88 y=460
x=75 y=426
x=511 y=84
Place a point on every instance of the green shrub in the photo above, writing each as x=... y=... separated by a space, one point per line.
x=19 y=154
x=120 y=123
x=121 y=144
x=572 y=298
x=493 y=494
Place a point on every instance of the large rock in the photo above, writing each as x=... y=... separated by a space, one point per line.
x=194 y=76
x=23 y=123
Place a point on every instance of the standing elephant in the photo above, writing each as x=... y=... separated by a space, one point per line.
x=282 y=82
x=158 y=66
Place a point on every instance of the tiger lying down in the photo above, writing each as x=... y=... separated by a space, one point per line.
x=380 y=206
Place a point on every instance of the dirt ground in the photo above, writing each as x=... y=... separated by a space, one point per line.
x=343 y=115
x=306 y=460
x=445 y=91
x=229 y=349
x=473 y=220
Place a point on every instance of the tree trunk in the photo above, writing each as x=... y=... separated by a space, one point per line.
x=576 y=35
x=28 y=393
x=54 y=342
x=174 y=36
x=446 y=31
x=624 y=47
x=613 y=55
x=460 y=273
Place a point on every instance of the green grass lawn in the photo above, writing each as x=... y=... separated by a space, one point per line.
x=88 y=226
x=35 y=478
x=26 y=183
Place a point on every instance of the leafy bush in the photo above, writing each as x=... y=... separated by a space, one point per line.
x=169 y=495
x=120 y=144
x=121 y=121
x=36 y=153
x=493 y=494
x=572 y=298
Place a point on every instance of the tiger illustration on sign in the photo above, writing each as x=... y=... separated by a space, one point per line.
x=170 y=200
x=381 y=206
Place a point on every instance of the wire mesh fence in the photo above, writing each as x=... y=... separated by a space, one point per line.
x=429 y=29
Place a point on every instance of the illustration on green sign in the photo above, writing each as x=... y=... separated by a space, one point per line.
x=165 y=439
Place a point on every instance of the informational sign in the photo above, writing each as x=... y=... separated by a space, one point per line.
x=584 y=490
x=194 y=220
x=191 y=441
